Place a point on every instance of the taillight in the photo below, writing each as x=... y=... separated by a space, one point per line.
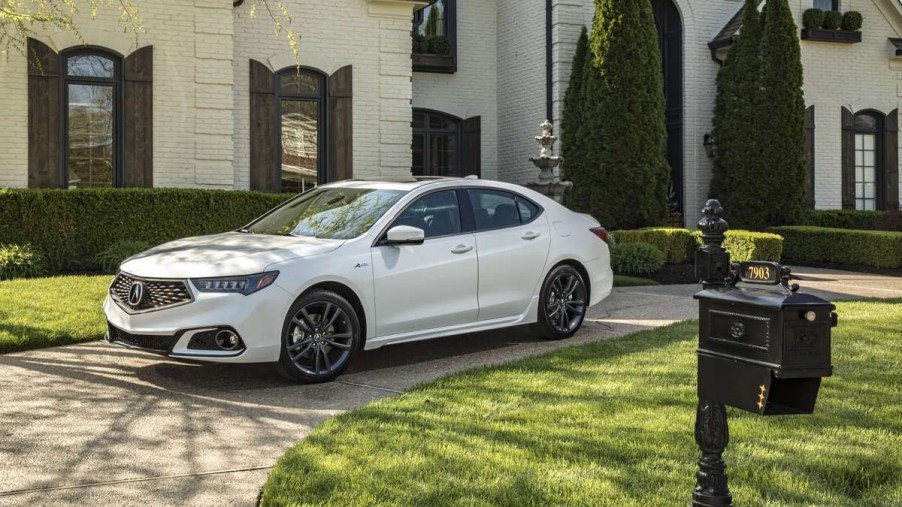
x=601 y=232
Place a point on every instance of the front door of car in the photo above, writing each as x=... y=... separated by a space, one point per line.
x=430 y=285
x=513 y=239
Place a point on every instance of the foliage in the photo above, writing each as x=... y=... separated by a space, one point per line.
x=880 y=249
x=775 y=194
x=813 y=18
x=636 y=259
x=852 y=21
x=431 y=29
x=736 y=118
x=110 y=259
x=46 y=312
x=572 y=115
x=70 y=227
x=623 y=176
x=439 y=45
x=585 y=425
x=20 y=19
x=20 y=261
x=832 y=20
x=854 y=219
x=419 y=44
x=679 y=245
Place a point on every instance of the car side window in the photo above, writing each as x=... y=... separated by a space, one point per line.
x=438 y=214
x=493 y=209
x=528 y=210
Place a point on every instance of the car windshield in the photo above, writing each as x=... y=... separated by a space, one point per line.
x=330 y=213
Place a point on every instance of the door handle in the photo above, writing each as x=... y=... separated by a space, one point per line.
x=461 y=249
x=531 y=235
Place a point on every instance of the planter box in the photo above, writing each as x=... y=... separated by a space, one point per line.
x=434 y=63
x=842 y=36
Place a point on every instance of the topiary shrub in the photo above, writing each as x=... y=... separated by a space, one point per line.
x=636 y=259
x=813 y=18
x=851 y=21
x=439 y=45
x=880 y=249
x=20 y=261
x=832 y=20
x=110 y=259
x=677 y=245
x=419 y=44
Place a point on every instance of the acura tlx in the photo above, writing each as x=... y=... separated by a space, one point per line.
x=357 y=265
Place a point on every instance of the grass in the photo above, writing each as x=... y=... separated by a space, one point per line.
x=611 y=424
x=46 y=312
x=632 y=281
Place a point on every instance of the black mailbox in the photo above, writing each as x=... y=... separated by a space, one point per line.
x=763 y=351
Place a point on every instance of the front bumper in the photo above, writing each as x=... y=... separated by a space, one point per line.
x=257 y=319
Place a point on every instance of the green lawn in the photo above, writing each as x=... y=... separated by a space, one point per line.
x=632 y=281
x=611 y=424
x=44 y=312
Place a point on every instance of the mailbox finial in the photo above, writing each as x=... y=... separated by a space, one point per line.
x=712 y=261
x=712 y=225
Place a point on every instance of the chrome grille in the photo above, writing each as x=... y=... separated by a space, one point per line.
x=158 y=294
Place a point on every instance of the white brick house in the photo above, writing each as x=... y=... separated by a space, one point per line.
x=209 y=97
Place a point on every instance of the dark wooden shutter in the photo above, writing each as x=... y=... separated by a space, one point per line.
x=892 y=160
x=848 y=159
x=341 y=125
x=809 y=154
x=262 y=129
x=137 y=139
x=44 y=169
x=472 y=147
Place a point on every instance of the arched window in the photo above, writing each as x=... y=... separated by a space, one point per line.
x=436 y=144
x=302 y=128
x=92 y=118
x=869 y=160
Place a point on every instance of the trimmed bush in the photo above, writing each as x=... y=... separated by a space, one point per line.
x=880 y=249
x=70 y=227
x=675 y=244
x=813 y=18
x=439 y=45
x=20 y=261
x=854 y=219
x=832 y=20
x=110 y=259
x=748 y=246
x=852 y=21
x=419 y=44
x=636 y=259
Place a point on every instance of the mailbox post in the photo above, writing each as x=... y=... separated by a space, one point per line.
x=762 y=351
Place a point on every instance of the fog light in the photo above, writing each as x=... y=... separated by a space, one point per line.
x=227 y=340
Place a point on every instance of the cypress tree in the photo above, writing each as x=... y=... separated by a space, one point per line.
x=781 y=184
x=622 y=179
x=571 y=117
x=735 y=117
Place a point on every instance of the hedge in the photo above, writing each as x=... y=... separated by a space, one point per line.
x=881 y=249
x=854 y=219
x=70 y=227
x=679 y=245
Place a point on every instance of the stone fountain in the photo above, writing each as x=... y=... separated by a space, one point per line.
x=548 y=184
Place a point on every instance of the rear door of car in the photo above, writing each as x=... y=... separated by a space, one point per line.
x=512 y=241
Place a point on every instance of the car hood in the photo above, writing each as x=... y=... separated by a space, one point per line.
x=227 y=254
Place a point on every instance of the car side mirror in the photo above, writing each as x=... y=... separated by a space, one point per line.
x=405 y=235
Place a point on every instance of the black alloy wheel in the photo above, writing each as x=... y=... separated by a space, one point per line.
x=562 y=303
x=319 y=338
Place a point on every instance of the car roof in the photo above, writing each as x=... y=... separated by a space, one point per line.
x=393 y=183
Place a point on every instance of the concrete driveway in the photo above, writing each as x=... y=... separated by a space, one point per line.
x=99 y=425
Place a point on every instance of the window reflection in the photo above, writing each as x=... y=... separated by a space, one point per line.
x=300 y=145
x=90 y=66
x=436 y=144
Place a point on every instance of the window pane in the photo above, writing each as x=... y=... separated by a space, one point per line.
x=528 y=210
x=443 y=160
x=419 y=155
x=437 y=122
x=865 y=122
x=494 y=210
x=438 y=214
x=90 y=66
x=90 y=135
x=419 y=120
x=303 y=83
x=431 y=20
x=859 y=141
x=827 y=5
x=300 y=154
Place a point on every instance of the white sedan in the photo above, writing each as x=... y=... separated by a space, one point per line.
x=358 y=265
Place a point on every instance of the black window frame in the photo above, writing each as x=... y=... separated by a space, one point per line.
x=517 y=199
x=430 y=62
x=118 y=84
x=427 y=131
x=879 y=132
x=322 y=99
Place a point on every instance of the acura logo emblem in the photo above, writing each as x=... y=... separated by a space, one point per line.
x=136 y=293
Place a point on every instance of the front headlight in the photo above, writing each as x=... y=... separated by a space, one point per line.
x=236 y=284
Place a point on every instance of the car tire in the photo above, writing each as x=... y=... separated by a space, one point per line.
x=562 y=303
x=320 y=336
